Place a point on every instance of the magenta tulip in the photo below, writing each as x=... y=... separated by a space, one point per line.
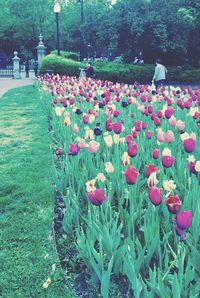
x=156 y=153
x=131 y=175
x=155 y=195
x=184 y=219
x=73 y=149
x=189 y=145
x=168 y=161
x=173 y=203
x=117 y=127
x=132 y=149
x=109 y=124
x=150 y=169
x=97 y=197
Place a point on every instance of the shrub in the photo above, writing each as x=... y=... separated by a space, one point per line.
x=122 y=73
x=68 y=55
x=60 y=65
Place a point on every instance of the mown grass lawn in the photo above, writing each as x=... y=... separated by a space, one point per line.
x=27 y=251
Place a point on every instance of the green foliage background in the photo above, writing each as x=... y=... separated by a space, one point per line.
x=168 y=29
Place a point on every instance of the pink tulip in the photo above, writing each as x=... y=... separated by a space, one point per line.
x=161 y=136
x=169 y=136
x=172 y=121
x=85 y=119
x=180 y=125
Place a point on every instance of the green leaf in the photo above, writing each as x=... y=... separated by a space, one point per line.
x=105 y=282
x=175 y=287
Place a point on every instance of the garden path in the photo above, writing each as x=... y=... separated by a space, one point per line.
x=7 y=83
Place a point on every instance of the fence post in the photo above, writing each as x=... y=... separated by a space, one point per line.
x=16 y=66
x=41 y=51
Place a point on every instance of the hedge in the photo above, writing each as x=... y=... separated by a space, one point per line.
x=68 y=55
x=123 y=73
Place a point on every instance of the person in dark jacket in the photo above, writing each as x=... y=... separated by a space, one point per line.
x=89 y=70
x=27 y=67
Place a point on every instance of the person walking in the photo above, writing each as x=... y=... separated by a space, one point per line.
x=159 y=78
x=27 y=68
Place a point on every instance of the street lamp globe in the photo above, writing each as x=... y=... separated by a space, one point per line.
x=56 y=8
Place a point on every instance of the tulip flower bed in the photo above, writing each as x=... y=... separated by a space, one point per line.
x=128 y=169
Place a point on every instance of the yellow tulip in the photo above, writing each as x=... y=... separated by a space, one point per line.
x=109 y=167
x=169 y=185
x=108 y=140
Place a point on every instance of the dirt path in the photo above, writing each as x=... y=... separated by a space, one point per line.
x=7 y=83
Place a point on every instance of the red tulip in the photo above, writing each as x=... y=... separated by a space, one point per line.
x=135 y=133
x=59 y=151
x=156 y=153
x=184 y=219
x=138 y=125
x=173 y=203
x=97 y=197
x=144 y=125
x=117 y=127
x=155 y=195
x=168 y=161
x=132 y=149
x=149 y=134
x=131 y=175
x=156 y=121
x=116 y=113
x=109 y=124
x=189 y=145
x=129 y=139
x=150 y=169
x=150 y=109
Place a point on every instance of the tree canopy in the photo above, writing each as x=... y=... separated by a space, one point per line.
x=159 y=28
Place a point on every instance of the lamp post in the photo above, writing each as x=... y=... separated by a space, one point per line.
x=88 y=51
x=82 y=37
x=56 y=10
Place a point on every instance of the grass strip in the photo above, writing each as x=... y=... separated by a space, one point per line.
x=27 y=253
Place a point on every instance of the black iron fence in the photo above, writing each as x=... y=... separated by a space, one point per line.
x=6 y=71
